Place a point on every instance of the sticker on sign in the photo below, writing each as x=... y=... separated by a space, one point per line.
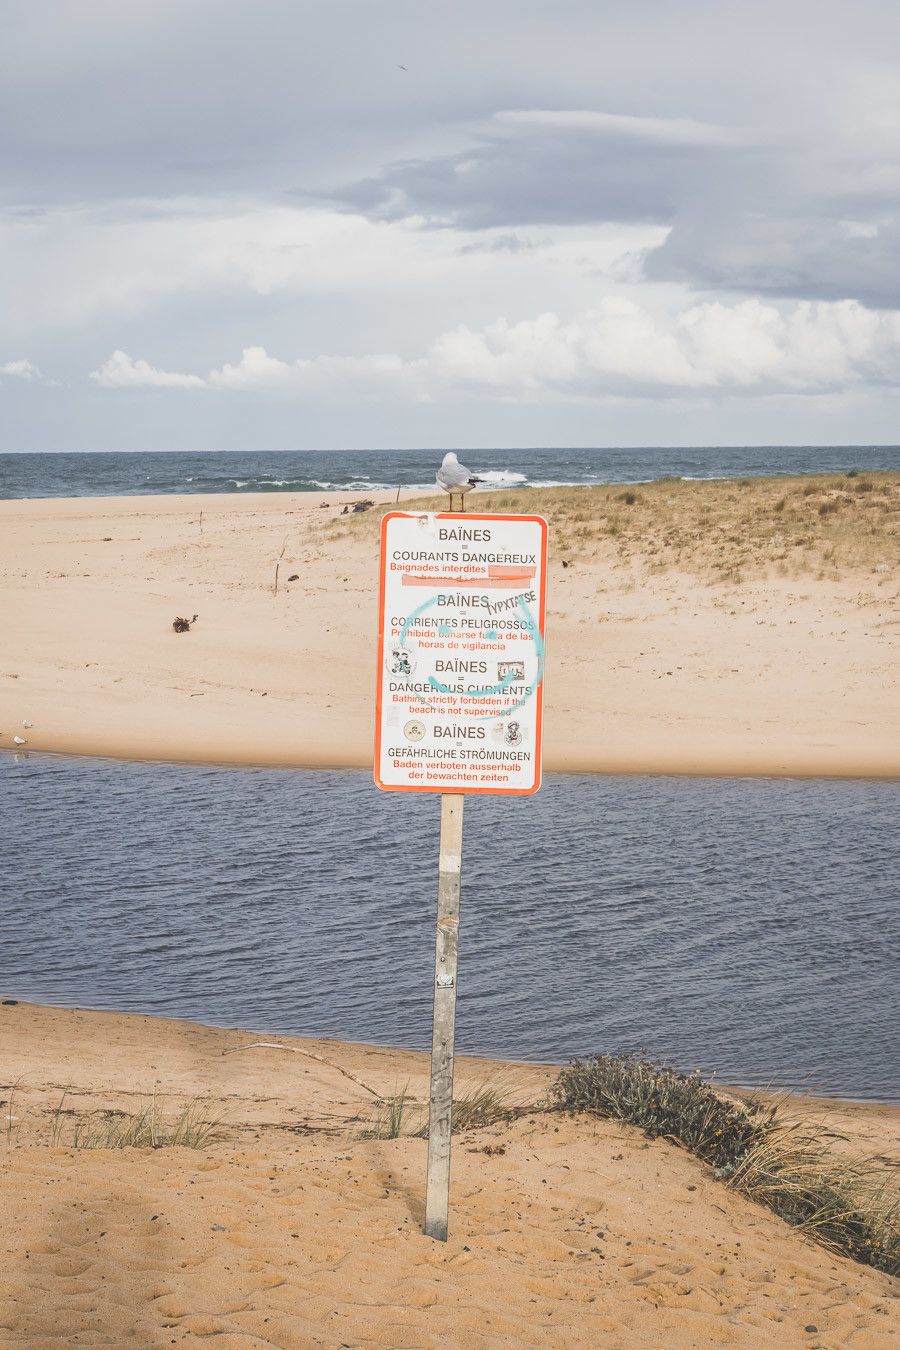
x=460 y=653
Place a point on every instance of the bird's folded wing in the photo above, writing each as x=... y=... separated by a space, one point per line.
x=453 y=477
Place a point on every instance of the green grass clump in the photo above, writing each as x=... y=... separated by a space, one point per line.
x=390 y=1117
x=399 y=1114
x=662 y=1102
x=848 y=1204
x=146 y=1128
x=481 y=1106
x=12 y=1123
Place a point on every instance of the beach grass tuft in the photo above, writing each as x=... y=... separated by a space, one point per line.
x=146 y=1128
x=399 y=1114
x=849 y=1204
x=390 y=1116
x=663 y=1103
x=57 y=1121
x=481 y=1106
x=12 y=1123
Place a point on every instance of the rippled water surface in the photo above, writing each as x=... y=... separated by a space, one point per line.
x=114 y=473
x=746 y=927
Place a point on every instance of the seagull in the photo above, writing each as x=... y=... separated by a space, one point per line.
x=456 y=479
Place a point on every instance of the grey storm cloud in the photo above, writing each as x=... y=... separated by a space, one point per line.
x=548 y=168
x=543 y=176
x=743 y=214
x=170 y=96
x=765 y=135
x=822 y=257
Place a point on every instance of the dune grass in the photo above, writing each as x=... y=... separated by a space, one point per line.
x=147 y=1127
x=391 y=1115
x=851 y=1205
x=848 y=1204
x=11 y=1121
x=480 y=1106
x=825 y=525
x=400 y=1114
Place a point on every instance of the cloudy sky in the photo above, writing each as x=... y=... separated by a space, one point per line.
x=293 y=224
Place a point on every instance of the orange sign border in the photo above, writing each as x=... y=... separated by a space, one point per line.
x=458 y=517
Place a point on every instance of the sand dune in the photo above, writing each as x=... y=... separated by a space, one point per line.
x=291 y=1231
x=671 y=646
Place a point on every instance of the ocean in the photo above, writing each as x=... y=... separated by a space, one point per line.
x=116 y=473
x=745 y=927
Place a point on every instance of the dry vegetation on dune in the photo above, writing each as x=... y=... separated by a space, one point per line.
x=781 y=1159
x=192 y=1126
x=278 y=1199
x=824 y=525
x=401 y=1114
x=849 y=1204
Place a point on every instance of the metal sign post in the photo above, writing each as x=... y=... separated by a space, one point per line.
x=440 y=1104
x=458 y=711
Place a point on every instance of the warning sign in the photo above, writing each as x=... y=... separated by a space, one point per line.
x=460 y=653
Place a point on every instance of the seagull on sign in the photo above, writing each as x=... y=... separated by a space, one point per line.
x=456 y=479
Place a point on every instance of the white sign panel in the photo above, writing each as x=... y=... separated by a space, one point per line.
x=460 y=653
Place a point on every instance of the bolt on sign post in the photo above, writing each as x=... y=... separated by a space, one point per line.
x=458 y=710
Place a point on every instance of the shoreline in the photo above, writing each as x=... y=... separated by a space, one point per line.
x=285 y=764
x=653 y=668
x=472 y=1062
x=310 y=467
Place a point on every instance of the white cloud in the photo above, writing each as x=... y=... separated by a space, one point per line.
x=619 y=341
x=618 y=347
x=858 y=229
x=258 y=372
x=683 y=131
x=621 y=347
x=74 y=266
x=121 y=372
x=22 y=370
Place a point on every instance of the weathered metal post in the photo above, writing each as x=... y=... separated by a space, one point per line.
x=440 y=1107
x=443 y=1031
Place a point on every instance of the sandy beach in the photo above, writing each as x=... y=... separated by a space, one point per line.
x=291 y=1230
x=697 y=628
